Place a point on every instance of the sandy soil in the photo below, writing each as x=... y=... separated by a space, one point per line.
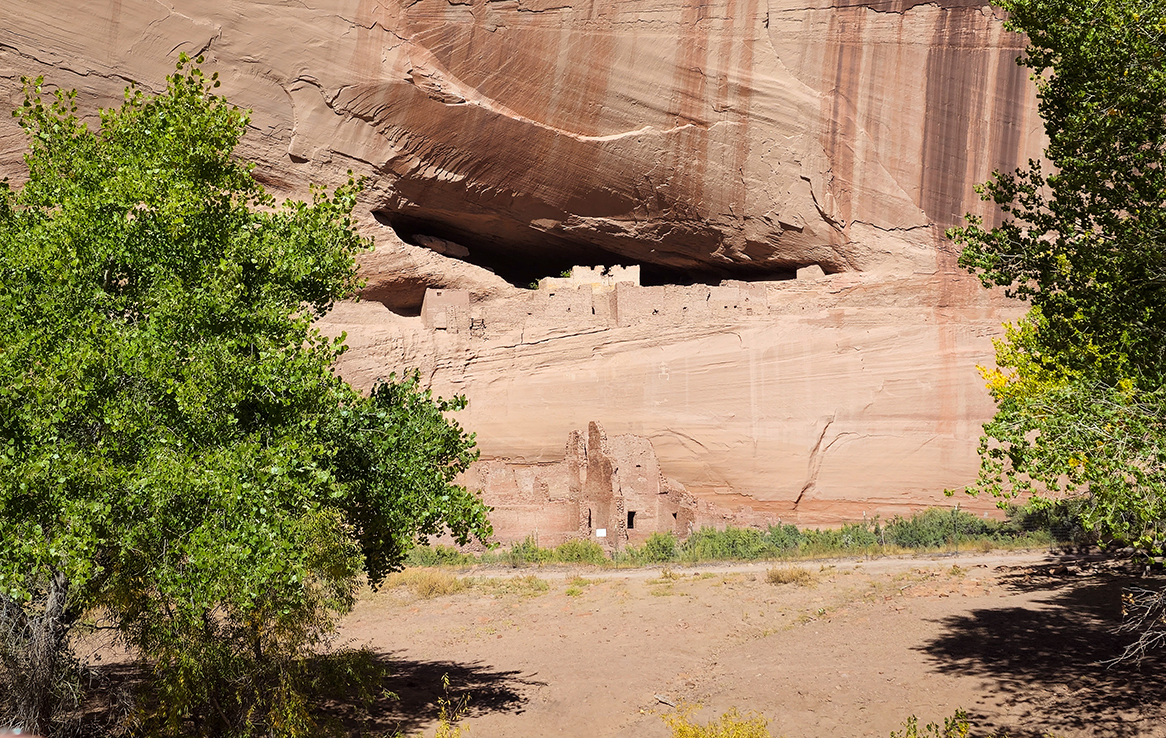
x=1015 y=639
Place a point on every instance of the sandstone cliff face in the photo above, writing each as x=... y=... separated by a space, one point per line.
x=809 y=401
x=506 y=140
x=730 y=137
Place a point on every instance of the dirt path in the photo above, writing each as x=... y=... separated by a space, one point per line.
x=1012 y=638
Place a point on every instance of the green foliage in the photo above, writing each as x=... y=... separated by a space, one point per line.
x=1079 y=391
x=956 y=726
x=725 y=544
x=659 y=548
x=174 y=442
x=1062 y=521
x=579 y=551
x=780 y=541
x=935 y=528
x=1084 y=244
x=450 y=712
x=422 y=555
x=932 y=529
x=527 y=551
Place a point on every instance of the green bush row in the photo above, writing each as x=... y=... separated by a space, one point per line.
x=929 y=530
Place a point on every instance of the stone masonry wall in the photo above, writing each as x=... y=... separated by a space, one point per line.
x=601 y=485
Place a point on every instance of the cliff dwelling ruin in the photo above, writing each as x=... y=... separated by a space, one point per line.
x=606 y=489
x=750 y=198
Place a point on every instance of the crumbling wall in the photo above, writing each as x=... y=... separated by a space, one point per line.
x=569 y=305
x=599 y=483
x=446 y=310
x=599 y=279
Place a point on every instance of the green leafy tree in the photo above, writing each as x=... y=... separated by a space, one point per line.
x=177 y=455
x=1081 y=404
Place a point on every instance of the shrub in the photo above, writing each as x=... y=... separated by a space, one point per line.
x=438 y=556
x=523 y=553
x=744 y=544
x=1061 y=521
x=936 y=527
x=580 y=551
x=784 y=538
x=956 y=726
x=659 y=548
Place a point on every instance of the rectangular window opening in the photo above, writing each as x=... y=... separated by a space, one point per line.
x=631 y=519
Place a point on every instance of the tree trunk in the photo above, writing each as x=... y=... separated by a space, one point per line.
x=33 y=655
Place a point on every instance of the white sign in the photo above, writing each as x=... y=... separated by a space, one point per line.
x=601 y=532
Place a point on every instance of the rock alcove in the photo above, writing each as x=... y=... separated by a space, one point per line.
x=522 y=262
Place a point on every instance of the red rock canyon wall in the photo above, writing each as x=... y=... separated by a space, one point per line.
x=701 y=140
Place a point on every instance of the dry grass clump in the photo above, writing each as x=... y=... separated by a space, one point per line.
x=576 y=586
x=527 y=586
x=791 y=575
x=427 y=583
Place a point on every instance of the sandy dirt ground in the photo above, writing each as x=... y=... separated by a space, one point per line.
x=1014 y=639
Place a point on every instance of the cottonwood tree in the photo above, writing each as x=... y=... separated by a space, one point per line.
x=178 y=457
x=1081 y=402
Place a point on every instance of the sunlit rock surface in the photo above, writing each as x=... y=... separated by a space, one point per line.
x=733 y=137
x=508 y=140
x=805 y=401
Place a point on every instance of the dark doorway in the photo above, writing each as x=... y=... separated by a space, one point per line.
x=631 y=519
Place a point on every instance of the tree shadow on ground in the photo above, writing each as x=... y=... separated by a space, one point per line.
x=407 y=701
x=415 y=690
x=1048 y=659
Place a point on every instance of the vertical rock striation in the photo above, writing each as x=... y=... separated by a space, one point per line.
x=503 y=141
x=732 y=137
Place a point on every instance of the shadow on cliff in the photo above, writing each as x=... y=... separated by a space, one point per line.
x=414 y=690
x=1047 y=660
